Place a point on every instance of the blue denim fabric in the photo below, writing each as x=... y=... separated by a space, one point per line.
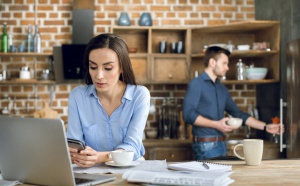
x=207 y=150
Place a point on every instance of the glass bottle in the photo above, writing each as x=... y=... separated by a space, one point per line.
x=29 y=40
x=37 y=40
x=4 y=39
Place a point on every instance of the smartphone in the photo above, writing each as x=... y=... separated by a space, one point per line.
x=76 y=144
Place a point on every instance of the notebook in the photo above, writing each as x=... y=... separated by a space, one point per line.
x=34 y=151
x=200 y=166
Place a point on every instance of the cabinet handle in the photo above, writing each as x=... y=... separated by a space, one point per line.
x=170 y=76
x=282 y=104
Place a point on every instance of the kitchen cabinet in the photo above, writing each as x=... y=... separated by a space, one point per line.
x=149 y=65
x=170 y=150
x=153 y=67
x=240 y=33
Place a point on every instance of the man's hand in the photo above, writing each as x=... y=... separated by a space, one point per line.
x=274 y=128
x=223 y=127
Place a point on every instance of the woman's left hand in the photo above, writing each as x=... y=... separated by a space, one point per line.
x=274 y=128
x=85 y=158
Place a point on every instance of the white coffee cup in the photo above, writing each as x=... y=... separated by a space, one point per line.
x=122 y=157
x=253 y=151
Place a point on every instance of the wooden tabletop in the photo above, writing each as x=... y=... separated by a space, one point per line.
x=271 y=172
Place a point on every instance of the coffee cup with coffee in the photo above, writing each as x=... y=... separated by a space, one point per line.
x=252 y=149
x=122 y=157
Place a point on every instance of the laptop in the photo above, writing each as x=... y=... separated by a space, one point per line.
x=35 y=151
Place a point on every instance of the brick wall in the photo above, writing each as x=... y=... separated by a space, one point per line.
x=54 y=19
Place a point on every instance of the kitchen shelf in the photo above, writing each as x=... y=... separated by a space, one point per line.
x=34 y=82
x=263 y=81
x=25 y=54
x=248 y=53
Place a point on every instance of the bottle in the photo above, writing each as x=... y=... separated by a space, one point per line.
x=241 y=70
x=4 y=39
x=37 y=40
x=29 y=41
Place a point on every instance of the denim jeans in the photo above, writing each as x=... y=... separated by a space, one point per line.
x=207 y=150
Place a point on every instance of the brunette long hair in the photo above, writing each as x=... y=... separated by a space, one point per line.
x=117 y=44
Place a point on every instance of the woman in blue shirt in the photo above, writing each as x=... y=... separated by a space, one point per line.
x=111 y=111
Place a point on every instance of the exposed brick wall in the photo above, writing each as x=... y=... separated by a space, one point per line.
x=54 y=19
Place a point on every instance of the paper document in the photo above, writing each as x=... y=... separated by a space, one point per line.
x=199 y=166
x=179 y=178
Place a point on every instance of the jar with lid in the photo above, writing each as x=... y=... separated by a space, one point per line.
x=25 y=72
x=241 y=72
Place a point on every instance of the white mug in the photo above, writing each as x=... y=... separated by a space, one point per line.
x=253 y=151
x=122 y=157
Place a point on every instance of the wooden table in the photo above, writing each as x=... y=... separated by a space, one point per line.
x=283 y=172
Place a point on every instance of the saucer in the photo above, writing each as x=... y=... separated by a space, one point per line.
x=112 y=163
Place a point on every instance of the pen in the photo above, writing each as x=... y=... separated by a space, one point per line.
x=205 y=165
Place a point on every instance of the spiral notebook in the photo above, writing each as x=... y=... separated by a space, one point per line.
x=200 y=166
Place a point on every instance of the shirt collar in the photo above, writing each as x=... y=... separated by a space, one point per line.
x=206 y=77
x=129 y=91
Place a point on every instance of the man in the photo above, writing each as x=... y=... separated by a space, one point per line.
x=205 y=101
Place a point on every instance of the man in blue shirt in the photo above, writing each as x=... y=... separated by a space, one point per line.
x=205 y=101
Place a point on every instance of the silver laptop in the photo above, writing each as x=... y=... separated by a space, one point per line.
x=35 y=151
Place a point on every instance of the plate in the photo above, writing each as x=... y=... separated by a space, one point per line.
x=112 y=163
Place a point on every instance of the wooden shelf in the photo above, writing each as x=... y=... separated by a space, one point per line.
x=245 y=26
x=263 y=81
x=248 y=53
x=25 y=54
x=30 y=81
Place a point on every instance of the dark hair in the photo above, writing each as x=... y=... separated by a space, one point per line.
x=214 y=52
x=117 y=44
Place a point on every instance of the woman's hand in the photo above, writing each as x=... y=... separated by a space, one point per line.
x=85 y=158
x=274 y=128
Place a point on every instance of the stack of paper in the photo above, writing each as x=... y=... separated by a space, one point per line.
x=179 y=178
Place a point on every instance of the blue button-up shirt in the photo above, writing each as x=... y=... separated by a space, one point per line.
x=208 y=99
x=89 y=123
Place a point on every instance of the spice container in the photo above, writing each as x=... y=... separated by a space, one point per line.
x=25 y=72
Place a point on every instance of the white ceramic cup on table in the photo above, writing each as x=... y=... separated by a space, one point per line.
x=253 y=151
x=122 y=157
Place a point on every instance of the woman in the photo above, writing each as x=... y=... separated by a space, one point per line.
x=111 y=111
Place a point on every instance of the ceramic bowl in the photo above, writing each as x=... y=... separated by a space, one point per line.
x=235 y=122
x=151 y=133
x=243 y=47
x=132 y=50
x=256 y=73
